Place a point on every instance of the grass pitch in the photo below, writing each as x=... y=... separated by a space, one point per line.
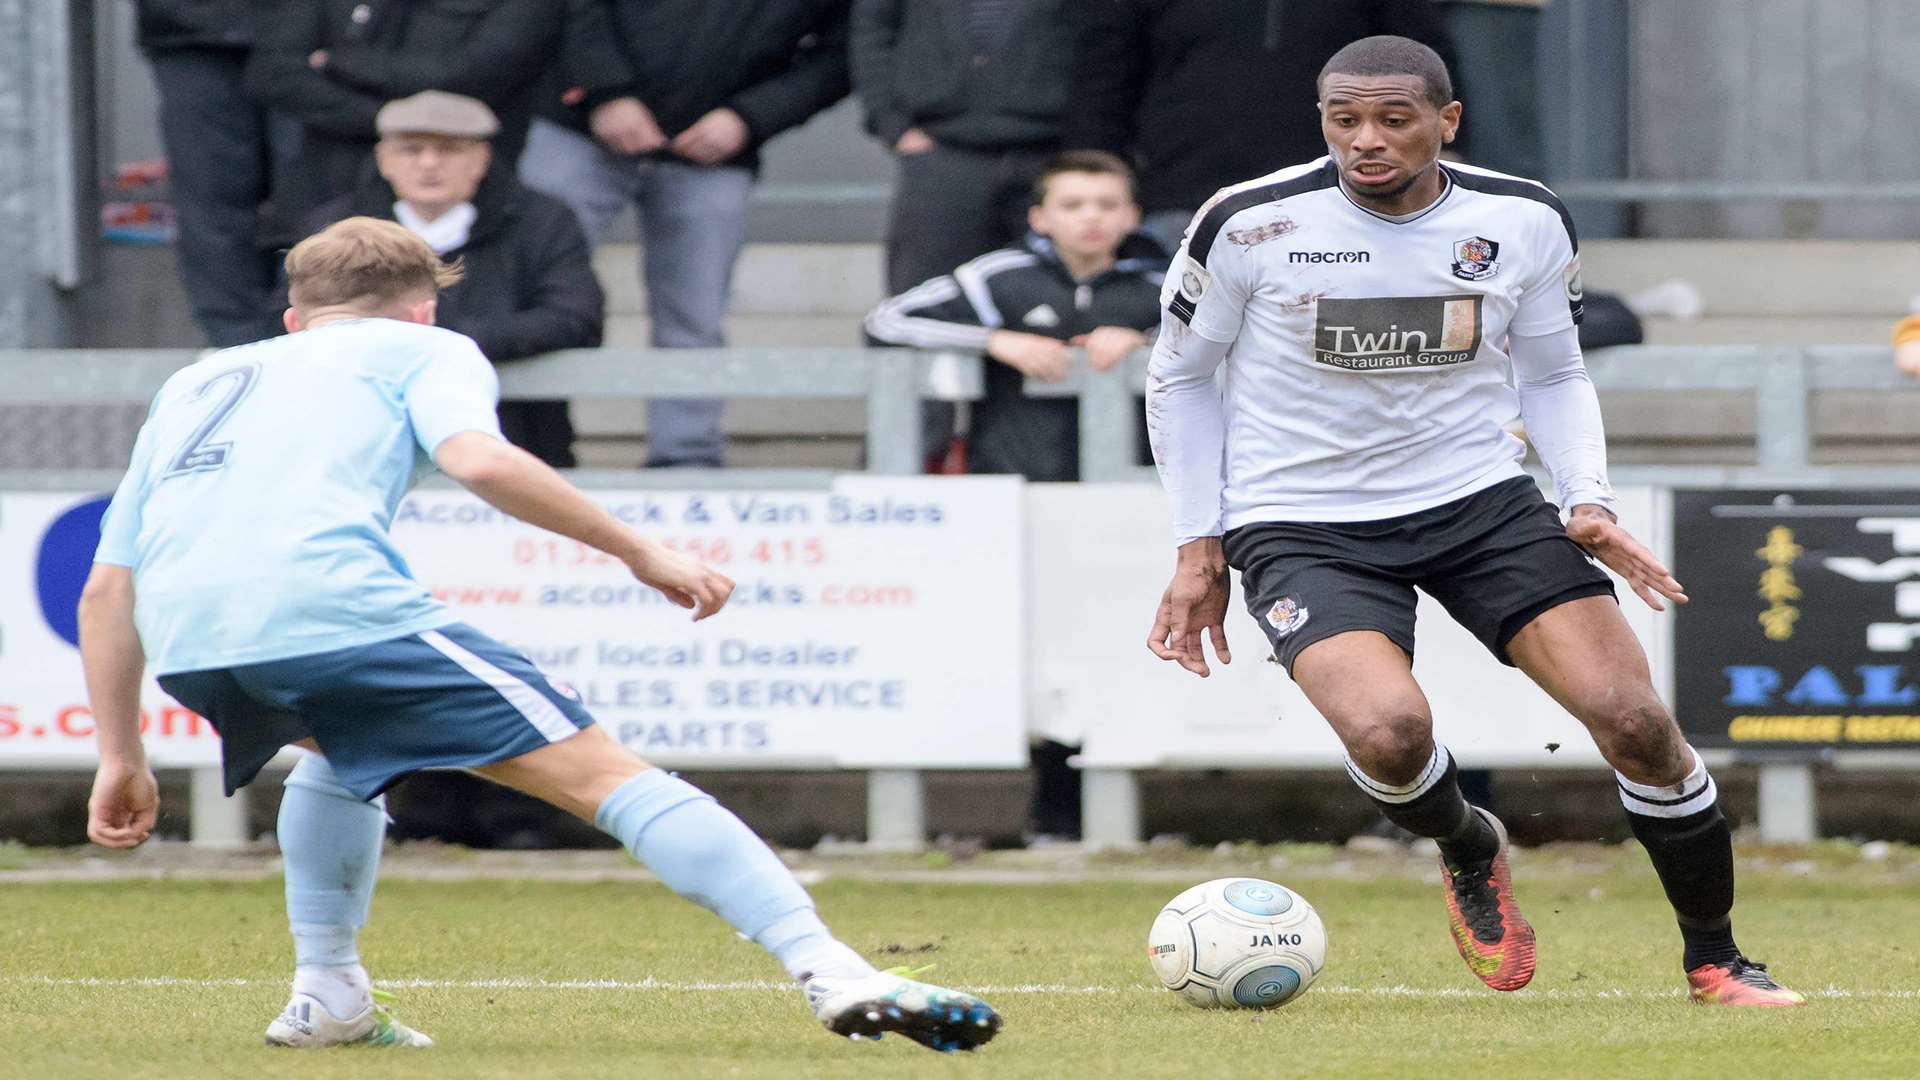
x=539 y=978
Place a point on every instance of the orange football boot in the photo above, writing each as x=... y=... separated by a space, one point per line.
x=1742 y=982
x=1490 y=933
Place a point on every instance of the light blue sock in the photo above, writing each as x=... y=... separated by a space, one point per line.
x=704 y=853
x=330 y=843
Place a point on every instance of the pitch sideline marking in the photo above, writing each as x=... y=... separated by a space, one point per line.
x=762 y=985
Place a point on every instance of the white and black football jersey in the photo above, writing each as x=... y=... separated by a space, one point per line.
x=1368 y=375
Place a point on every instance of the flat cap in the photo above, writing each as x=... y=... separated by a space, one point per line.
x=436 y=112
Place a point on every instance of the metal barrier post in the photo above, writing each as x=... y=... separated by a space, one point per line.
x=217 y=821
x=1782 y=412
x=1110 y=809
x=893 y=414
x=1787 y=804
x=896 y=798
x=1108 y=428
x=896 y=810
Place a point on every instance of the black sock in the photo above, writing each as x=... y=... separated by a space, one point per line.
x=1432 y=806
x=1693 y=855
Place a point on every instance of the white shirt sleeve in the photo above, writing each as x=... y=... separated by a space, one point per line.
x=456 y=390
x=1562 y=415
x=1186 y=417
x=1551 y=300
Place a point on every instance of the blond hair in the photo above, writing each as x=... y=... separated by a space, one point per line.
x=364 y=262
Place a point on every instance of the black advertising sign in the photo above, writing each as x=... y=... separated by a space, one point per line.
x=1804 y=619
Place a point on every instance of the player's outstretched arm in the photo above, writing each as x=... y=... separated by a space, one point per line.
x=1595 y=529
x=125 y=801
x=515 y=481
x=1195 y=603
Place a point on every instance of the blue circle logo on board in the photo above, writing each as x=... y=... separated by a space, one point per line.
x=61 y=567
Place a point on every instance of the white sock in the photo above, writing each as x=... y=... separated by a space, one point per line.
x=342 y=989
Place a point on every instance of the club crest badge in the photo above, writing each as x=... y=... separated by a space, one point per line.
x=1476 y=258
x=1287 y=615
x=1194 y=280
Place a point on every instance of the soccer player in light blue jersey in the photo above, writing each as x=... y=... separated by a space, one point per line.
x=246 y=556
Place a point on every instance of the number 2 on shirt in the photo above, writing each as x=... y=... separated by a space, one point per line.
x=199 y=455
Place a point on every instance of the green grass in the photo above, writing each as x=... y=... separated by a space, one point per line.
x=1602 y=1005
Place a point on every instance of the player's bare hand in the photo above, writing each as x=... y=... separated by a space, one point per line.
x=1195 y=604
x=714 y=138
x=1032 y=355
x=682 y=579
x=627 y=126
x=1595 y=530
x=124 y=805
x=317 y=59
x=913 y=141
x=1108 y=345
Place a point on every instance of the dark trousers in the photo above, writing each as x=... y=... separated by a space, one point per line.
x=950 y=205
x=218 y=151
x=541 y=428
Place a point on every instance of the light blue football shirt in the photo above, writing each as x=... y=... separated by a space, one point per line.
x=254 y=514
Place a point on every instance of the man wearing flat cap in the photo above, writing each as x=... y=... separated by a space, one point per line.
x=529 y=285
x=529 y=288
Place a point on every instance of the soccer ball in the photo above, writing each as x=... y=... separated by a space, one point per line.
x=1238 y=943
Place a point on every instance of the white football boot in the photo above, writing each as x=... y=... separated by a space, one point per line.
x=306 y=1024
x=872 y=1005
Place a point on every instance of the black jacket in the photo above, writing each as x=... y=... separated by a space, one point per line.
x=380 y=50
x=1024 y=288
x=775 y=62
x=915 y=65
x=1206 y=93
x=529 y=289
x=194 y=24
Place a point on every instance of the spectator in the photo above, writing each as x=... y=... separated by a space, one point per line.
x=667 y=106
x=529 y=285
x=217 y=144
x=1496 y=78
x=970 y=98
x=1204 y=93
x=1906 y=345
x=1083 y=277
x=331 y=64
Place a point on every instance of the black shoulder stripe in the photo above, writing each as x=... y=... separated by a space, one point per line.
x=1204 y=233
x=1499 y=185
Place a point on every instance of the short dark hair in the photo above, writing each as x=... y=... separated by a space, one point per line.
x=1387 y=54
x=1098 y=162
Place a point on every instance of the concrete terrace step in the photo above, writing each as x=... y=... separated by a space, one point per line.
x=1774 y=329
x=1770 y=278
x=1766 y=277
x=768 y=279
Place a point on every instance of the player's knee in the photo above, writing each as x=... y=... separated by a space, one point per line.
x=1642 y=730
x=1394 y=746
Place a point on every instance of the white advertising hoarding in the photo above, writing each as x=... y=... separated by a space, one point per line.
x=875 y=624
x=1100 y=556
x=46 y=550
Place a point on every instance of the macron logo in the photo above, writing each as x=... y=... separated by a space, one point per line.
x=1329 y=256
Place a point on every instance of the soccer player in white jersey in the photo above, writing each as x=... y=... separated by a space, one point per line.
x=246 y=556
x=1368 y=309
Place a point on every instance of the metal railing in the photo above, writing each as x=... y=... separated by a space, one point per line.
x=893 y=382
x=1781 y=380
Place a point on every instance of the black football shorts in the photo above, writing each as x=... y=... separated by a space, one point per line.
x=1496 y=560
